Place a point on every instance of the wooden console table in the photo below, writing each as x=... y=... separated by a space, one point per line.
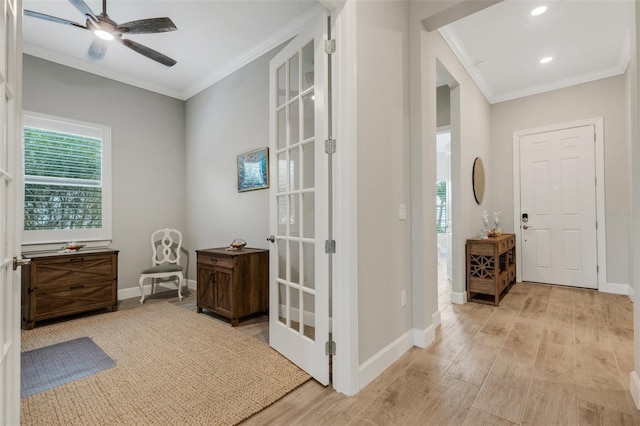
x=234 y=284
x=58 y=284
x=491 y=268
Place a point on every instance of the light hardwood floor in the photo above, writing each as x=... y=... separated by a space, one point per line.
x=547 y=356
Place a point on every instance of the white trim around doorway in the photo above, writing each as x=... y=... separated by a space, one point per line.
x=598 y=124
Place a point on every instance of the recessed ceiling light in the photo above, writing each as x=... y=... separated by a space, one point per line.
x=538 y=10
x=546 y=60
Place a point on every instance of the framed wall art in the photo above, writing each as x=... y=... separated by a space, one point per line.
x=253 y=170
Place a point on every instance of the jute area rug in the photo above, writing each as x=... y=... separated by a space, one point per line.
x=173 y=367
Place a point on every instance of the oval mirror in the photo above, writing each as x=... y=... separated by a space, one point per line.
x=478 y=180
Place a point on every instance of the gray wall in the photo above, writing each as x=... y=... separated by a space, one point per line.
x=443 y=95
x=383 y=174
x=148 y=156
x=229 y=118
x=602 y=98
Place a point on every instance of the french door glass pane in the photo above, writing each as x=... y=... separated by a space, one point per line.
x=282 y=128
x=309 y=314
x=294 y=308
x=282 y=302
x=282 y=215
x=308 y=217
x=282 y=259
x=282 y=84
x=294 y=79
x=307 y=66
x=294 y=123
x=309 y=254
x=283 y=173
x=294 y=217
x=294 y=261
x=308 y=162
x=294 y=162
x=309 y=115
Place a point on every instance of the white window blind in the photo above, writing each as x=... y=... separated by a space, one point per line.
x=66 y=181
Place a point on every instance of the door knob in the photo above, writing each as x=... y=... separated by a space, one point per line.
x=525 y=226
x=271 y=238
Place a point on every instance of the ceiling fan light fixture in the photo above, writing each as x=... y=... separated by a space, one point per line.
x=546 y=60
x=105 y=35
x=539 y=10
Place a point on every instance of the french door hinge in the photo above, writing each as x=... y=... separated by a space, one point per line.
x=329 y=47
x=330 y=146
x=330 y=348
x=330 y=246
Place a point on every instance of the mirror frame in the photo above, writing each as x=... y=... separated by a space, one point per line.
x=478 y=180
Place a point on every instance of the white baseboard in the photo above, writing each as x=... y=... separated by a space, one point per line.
x=616 y=288
x=634 y=383
x=423 y=338
x=459 y=298
x=128 y=293
x=375 y=365
x=436 y=318
x=631 y=295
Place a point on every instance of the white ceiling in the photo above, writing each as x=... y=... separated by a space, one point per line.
x=214 y=38
x=588 y=40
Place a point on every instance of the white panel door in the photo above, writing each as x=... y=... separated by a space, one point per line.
x=10 y=178
x=298 y=283
x=558 y=195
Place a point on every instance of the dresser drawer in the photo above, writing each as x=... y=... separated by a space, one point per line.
x=73 y=299
x=72 y=270
x=215 y=261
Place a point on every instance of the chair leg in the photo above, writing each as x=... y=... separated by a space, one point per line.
x=153 y=286
x=180 y=280
x=141 y=282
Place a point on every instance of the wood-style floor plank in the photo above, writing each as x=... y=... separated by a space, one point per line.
x=547 y=356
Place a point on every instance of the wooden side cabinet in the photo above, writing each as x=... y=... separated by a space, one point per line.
x=233 y=284
x=58 y=284
x=491 y=268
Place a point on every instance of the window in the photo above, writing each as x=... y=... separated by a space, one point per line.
x=67 y=180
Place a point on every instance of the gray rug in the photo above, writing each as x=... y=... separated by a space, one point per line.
x=55 y=365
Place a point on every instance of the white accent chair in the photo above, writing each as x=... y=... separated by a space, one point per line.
x=166 y=244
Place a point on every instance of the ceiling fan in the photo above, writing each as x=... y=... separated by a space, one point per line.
x=106 y=30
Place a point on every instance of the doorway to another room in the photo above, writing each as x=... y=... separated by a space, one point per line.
x=443 y=216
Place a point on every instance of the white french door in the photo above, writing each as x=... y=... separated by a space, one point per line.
x=10 y=178
x=558 y=207
x=298 y=283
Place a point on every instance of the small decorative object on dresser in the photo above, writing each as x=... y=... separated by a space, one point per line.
x=491 y=268
x=58 y=284
x=233 y=283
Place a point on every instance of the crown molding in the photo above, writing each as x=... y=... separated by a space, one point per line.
x=78 y=64
x=285 y=33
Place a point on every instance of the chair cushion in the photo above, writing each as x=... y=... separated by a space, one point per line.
x=166 y=267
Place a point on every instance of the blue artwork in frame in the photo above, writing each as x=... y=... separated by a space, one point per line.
x=253 y=170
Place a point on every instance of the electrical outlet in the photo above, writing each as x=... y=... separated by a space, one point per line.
x=403 y=298
x=402 y=212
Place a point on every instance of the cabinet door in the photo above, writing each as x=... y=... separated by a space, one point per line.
x=222 y=285
x=206 y=279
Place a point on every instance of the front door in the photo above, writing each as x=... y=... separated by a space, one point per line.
x=10 y=178
x=558 y=207
x=298 y=284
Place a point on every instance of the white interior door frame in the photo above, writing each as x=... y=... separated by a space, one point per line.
x=598 y=125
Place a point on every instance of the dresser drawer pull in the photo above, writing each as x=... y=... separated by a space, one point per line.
x=76 y=287
x=76 y=260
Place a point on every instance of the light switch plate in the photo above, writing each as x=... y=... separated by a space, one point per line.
x=402 y=212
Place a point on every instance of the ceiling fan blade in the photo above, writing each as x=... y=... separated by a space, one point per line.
x=82 y=7
x=97 y=49
x=148 y=52
x=148 y=26
x=53 y=19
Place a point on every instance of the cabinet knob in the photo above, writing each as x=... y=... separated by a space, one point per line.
x=271 y=238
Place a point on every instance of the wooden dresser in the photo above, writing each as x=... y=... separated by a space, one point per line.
x=234 y=284
x=58 y=284
x=491 y=268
